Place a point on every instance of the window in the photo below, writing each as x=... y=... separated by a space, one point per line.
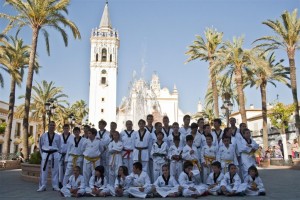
x=0 y=148
x=30 y=131
x=102 y=110
x=97 y=57
x=104 y=55
x=110 y=58
x=102 y=99
x=103 y=71
x=18 y=130
x=103 y=80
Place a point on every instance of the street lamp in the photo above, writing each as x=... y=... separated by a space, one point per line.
x=227 y=106
x=71 y=120
x=50 y=106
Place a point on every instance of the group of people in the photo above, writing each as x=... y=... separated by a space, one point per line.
x=160 y=160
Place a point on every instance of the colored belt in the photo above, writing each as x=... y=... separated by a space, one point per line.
x=195 y=162
x=49 y=152
x=140 y=149
x=75 y=158
x=92 y=160
x=209 y=159
x=127 y=153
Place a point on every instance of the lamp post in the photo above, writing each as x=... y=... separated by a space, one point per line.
x=227 y=106
x=50 y=106
x=71 y=120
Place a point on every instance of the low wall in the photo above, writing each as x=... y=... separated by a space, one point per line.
x=10 y=164
x=31 y=172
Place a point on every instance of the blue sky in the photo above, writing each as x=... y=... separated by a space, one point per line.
x=155 y=34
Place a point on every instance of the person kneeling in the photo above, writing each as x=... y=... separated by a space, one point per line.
x=166 y=185
x=189 y=179
x=75 y=186
x=140 y=185
x=98 y=184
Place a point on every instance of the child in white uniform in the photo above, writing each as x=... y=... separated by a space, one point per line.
x=122 y=183
x=254 y=183
x=176 y=133
x=159 y=154
x=140 y=184
x=166 y=185
x=128 y=145
x=226 y=154
x=208 y=155
x=98 y=184
x=190 y=152
x=214 y=179
x=231 y=185
x=190 y=181
x=115 y=148
x=92 y=151
x=175 y=156
x=75 y=186
x=74 y=154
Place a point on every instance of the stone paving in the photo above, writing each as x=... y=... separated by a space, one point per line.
x=280 y=183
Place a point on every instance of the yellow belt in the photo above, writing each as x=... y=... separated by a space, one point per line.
x=195 y=162
x=209 y=159
x=228 y=161
x=92 y=160
x=74 y=159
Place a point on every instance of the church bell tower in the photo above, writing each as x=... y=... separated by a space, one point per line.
x=103 y=71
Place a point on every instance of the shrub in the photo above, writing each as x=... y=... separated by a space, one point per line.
x=35 y=158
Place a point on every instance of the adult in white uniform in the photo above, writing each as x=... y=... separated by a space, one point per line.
x=49 y=145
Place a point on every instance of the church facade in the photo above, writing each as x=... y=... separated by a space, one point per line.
x=143 y=99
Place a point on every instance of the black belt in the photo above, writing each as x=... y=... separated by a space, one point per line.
x=49 y=152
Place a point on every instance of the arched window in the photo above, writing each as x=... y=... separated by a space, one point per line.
x=97 y=57
x=103 y=71
x=104 y=55
x=110 y=58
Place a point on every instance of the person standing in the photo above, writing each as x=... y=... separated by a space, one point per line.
x=50 y=145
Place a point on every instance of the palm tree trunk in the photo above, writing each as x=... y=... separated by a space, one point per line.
x=35 y=33
x=283 y=136
x=264 y=112
x=291 y=55
x=241 y=97
x=215 y=90
x=11 y=105
x=44 y=122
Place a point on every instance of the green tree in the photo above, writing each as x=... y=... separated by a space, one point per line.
x=206 y=50
x=288 y=38
x=41 y=94
x=280 y=115
x=237 y=63
x=80 y=110
x=38 y=15
x=14 y=57
x=261 y=77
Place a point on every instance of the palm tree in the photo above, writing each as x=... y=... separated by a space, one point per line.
x=205 y=50
x=41 y=94
x=14 y=57
x=288 y=38
x=80 y=110
x=38 y=14
x=237 y=63
x=3 y=39
x=260 y=79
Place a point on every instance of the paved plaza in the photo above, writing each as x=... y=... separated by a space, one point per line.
x=280 y=183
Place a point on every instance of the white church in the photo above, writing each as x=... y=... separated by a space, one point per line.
x=143 y=99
